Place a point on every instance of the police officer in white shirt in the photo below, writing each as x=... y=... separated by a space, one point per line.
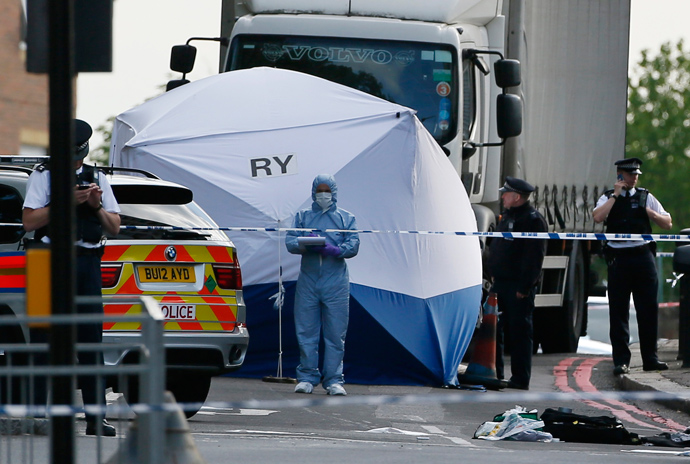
x=628 y=209
x=97 y=212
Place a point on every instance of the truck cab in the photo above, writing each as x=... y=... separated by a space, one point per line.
x=423 y=64
x=447 y=60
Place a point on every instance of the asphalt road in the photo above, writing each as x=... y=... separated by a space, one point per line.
x=251 y=421
x=409 y=424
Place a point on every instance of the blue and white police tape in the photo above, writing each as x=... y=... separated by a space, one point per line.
x=450 y=396
x=532 y=235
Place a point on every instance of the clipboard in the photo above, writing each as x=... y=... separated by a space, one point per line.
x=311 y=241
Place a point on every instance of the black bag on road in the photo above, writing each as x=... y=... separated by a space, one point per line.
x=571 y=427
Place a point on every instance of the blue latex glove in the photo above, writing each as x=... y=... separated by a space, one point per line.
x=330 y=250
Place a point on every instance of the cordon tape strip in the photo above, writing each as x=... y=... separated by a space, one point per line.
x=533 y=235
x=363 y=400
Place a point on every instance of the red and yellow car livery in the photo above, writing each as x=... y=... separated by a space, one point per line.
x=169 y=249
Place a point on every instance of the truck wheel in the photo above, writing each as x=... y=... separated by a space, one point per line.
x=190 y=388
x=560 y=328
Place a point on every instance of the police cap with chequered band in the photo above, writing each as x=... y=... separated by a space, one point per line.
x=516 y=185
x=631 y=165
x=82 y=134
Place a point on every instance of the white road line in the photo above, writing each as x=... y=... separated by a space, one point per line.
x=674 y=453
x=433 y=429
x=235 y=412
x=457 y=440
x=393 y=430
x=461 y=442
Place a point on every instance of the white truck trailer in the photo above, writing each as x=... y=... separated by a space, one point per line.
x=438 y=58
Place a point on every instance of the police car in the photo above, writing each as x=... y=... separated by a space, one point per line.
x=170 y=249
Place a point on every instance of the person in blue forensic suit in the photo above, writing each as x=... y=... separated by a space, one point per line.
x=515 y=266
x=322 y=298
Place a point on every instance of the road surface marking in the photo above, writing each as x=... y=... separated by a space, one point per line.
x=433 y=429
x=461 y=442
x=582 y=376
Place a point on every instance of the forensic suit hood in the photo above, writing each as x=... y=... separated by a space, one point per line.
x=328 y=180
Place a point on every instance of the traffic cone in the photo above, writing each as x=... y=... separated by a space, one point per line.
x=482 y=366
x=179 y=445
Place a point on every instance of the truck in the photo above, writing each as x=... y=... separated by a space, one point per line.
x=461 y=64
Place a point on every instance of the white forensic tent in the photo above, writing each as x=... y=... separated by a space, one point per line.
x=249 y=143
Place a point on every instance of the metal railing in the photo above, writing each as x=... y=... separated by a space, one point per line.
x=26 y=378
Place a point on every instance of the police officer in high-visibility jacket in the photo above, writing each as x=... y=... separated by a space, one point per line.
x=515 y=266
x=97 y=212
x=630 y=209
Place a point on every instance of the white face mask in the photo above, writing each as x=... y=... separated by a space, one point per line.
x=323 y=199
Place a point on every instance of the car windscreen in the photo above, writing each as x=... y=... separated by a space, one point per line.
x=187 y=217
x=10 y=215
x=417 y=75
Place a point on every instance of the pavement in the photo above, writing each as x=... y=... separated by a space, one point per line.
x=675 y=380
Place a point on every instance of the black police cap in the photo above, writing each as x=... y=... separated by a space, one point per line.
x=516 y=185
x=82 y=134
x=631 y=165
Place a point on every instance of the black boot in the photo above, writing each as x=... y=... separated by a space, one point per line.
x=654 y=366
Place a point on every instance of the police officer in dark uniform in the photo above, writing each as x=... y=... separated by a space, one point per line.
x=515 y=265
x=97 y=212
x=629 y=209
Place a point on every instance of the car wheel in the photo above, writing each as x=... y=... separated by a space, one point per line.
x=190 y=389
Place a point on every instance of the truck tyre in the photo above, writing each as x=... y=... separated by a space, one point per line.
x=560 y=328
x=190 y=388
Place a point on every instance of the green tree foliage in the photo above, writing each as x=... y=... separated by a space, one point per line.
x=101 y=154
x=658 y=127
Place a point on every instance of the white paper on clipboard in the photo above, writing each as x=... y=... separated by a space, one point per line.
x=311 y=241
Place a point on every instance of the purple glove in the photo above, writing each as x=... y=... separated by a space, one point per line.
x=330 y=250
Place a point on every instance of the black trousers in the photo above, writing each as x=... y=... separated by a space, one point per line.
x=633 y=271
x=515 y=320
x=89 y=284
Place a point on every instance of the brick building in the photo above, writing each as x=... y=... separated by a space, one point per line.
x=23 y=96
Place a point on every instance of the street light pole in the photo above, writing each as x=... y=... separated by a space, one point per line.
x=61 y=225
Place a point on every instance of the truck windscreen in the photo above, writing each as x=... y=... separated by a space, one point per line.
x=417 y=75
